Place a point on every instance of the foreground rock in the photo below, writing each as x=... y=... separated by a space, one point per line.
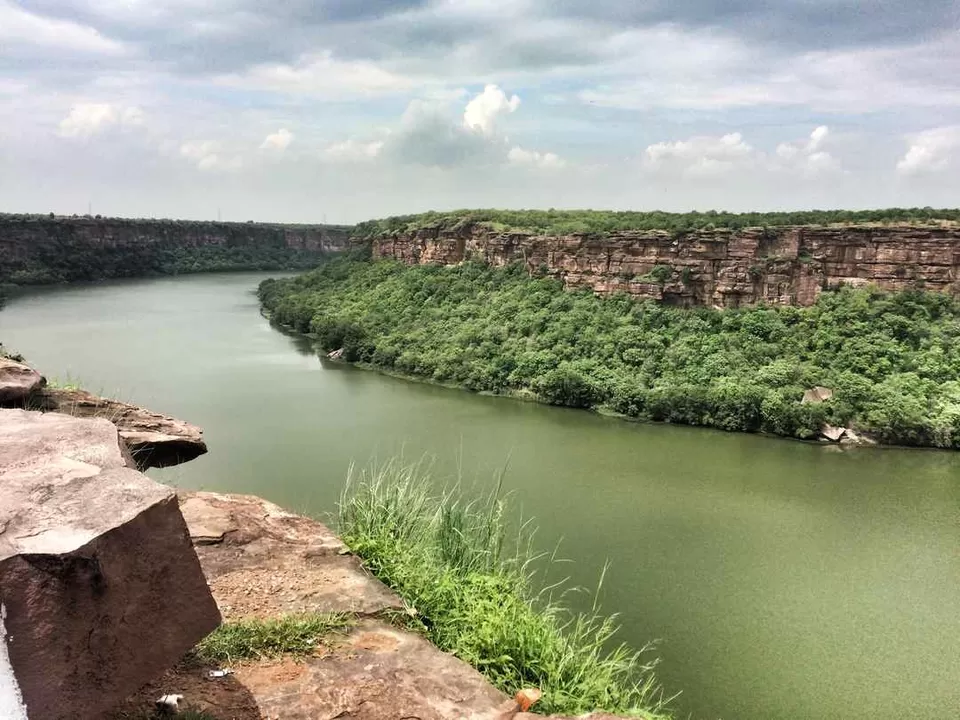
x=263 y=562
x=100 y=587
x=155 y=440
x=18 y=381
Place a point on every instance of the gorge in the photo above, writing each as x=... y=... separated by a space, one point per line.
x=768 y=570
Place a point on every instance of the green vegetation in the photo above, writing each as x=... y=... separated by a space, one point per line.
x=893 y=360
x=449 y=560
x=553 y=222
x=250 y=639
x=54 y=250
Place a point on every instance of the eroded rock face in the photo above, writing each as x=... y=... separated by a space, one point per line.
x=101 y=587
x=154 y=440
x=722 y=268
x=18 y=381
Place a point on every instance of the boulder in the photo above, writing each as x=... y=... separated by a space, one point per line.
x=155 y=440
x=17 y=381
x=831 y=433
x=816 y=395
x=100 y=587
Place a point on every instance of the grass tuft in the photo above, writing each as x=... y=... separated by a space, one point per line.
x=296 y=635
x=449 y=560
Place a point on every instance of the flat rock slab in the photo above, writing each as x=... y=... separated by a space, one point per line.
x=375 y=672
x=100 y=584
x=17 y=381
x=262 y=561
x=154 y=440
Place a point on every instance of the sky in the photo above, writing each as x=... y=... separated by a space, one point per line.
x=345 y=110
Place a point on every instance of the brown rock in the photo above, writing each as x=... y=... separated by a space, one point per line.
x=262 y=561
x=155 y=440
x=816 y=395
x=718 y=268
x=831 y=433
x=101 y=588
x=17 y=381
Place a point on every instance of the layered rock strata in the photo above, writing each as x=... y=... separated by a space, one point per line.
x=718 y=267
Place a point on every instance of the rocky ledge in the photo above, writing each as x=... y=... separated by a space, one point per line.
x=154 y=440
x=262 y=562
x=100 y=588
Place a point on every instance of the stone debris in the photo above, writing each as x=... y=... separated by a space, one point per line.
x=101 y=587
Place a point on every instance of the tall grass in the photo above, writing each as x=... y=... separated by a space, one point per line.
x=474 y=588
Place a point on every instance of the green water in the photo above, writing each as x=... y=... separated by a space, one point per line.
x=784 y=580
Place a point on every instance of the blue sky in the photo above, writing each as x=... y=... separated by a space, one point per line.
x=345 y=110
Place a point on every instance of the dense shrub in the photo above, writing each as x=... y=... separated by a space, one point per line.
x=892 y=359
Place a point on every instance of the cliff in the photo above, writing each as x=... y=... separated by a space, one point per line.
x=42 y=249
x=721 y=267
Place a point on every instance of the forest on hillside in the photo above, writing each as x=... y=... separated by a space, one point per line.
x=561 y=222
x=892 y=359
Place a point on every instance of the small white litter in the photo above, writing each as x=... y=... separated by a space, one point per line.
x=217 y=674
x=169 y=703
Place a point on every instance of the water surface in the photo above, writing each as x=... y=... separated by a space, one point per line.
x=784 y=580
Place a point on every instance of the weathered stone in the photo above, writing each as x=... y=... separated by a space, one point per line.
x=831 y=433
x=99 y=583
x=718 y=267
x=262 y=561
x=155 y=440
x=17 y=381
x=816 y=395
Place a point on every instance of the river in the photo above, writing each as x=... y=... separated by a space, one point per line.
x=784 y=580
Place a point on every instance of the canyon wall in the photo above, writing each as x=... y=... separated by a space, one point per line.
x=38 y=249
x=716 y=267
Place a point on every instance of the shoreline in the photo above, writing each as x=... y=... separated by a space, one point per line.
x=528 y=396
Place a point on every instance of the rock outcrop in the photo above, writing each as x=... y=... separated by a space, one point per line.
x=153 y=439
x=18 y=381
x=720 y=267
x=263 y=562
x=40 y=248
x=99 y=584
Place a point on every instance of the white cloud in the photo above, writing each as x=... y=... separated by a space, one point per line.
x=931 y=151
x=700 y=156
x=482 y=111
x=354 y=150
x=322 y=75
x=532 y=158
x=208 y=155
x=88 y=119
x=24 y=28
x=807 y=156
x=670 y=67
x=278 y=141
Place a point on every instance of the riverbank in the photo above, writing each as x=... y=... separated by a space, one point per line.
x=886 y=363
x=302 y=613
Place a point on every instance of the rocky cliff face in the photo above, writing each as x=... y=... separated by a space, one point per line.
x=721 y=268
x=54 y=249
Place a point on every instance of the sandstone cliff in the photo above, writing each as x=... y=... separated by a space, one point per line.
x=37 y=249
x=716 y=267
